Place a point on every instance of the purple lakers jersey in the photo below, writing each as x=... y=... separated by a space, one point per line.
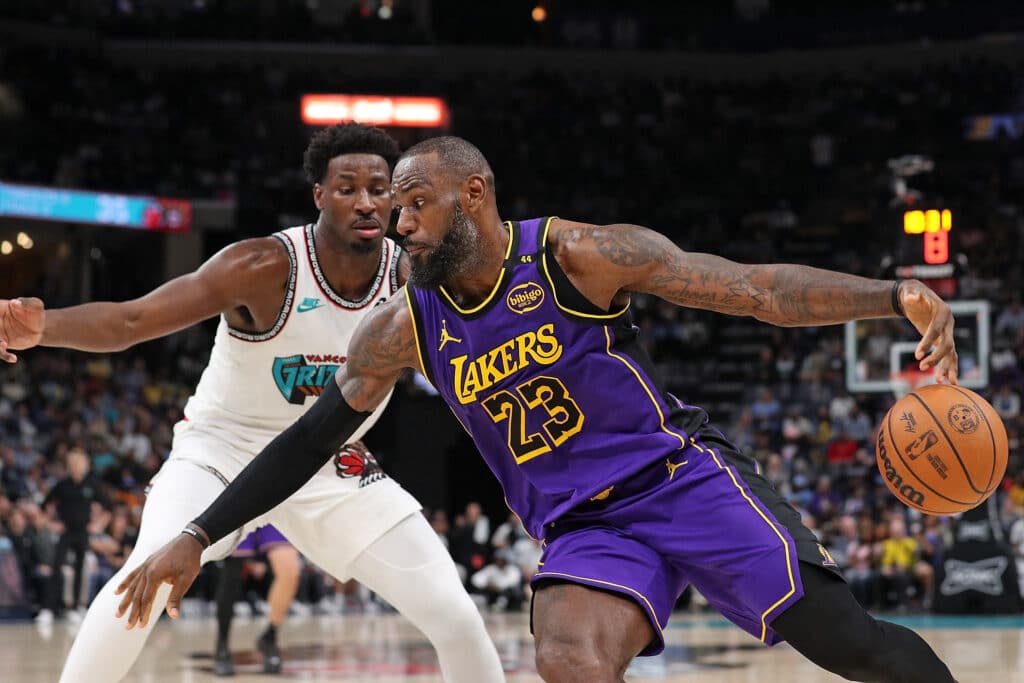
x=558 y=395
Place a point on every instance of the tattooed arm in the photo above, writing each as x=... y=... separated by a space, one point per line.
x=383 y=346
x=606 y=263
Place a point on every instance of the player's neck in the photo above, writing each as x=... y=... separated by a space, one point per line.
x=476 y=284
x=348 y=271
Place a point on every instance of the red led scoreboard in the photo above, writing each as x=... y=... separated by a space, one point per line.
x=927 y=249
x=934 y=226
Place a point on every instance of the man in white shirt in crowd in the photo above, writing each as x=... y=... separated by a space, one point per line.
x=501 y=582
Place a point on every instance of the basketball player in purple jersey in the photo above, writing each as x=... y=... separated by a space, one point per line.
x=525 y=330
x=288 y=306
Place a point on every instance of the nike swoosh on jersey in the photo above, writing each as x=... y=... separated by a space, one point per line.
x=309 y=305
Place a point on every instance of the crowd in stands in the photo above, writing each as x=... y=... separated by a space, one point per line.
x=760 y=161
x=114 y=415
x=768 y=170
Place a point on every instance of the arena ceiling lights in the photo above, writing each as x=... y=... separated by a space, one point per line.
x=375 y=110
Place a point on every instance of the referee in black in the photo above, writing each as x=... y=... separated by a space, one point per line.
x=73 y=497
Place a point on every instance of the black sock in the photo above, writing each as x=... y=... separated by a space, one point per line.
x=227 y=593
x=270 y=633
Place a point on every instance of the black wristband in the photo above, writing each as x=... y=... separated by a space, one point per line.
x=897 y=307
x=194 y=533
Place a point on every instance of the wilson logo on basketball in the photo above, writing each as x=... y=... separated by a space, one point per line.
x=525 y=297
x=963 y=418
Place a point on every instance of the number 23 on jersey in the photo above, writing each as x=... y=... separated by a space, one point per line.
x=540 y=393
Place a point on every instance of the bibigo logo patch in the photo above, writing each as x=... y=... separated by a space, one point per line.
x=525 y=297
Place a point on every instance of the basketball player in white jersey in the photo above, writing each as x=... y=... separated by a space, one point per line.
x=288 y=305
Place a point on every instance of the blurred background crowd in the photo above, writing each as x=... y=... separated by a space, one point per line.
x=799 y=167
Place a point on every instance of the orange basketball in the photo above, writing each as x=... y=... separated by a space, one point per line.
x=942 y=449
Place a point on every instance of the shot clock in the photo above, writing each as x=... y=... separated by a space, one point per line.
x=934 y=226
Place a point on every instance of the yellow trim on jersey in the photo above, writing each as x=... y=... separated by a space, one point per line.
x=661 y=415
x=416 y=334
x=539 y=540
x=785 y=545
x=497 y=285
x=554 y=291
x=650 y=609
x=463 y=425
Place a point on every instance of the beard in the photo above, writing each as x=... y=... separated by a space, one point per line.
x=455 y=254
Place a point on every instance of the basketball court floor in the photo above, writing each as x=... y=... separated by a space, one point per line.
x=386 y=649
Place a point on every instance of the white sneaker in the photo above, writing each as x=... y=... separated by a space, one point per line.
x=75 y=616
x=44 y=618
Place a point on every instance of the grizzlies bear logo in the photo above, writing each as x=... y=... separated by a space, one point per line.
x=352 y=461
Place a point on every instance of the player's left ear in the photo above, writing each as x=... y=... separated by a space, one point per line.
x=474 y=191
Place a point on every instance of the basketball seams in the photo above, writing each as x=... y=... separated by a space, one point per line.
x=988 y=426
x=910 y=471
x=952 y=446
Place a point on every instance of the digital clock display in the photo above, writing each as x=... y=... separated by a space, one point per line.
x=934 y=225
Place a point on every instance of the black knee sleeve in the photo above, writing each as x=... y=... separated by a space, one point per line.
x=829 y=628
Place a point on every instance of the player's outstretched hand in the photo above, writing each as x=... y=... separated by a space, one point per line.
x=933 y=319
x=177 y=563
x=21 y=325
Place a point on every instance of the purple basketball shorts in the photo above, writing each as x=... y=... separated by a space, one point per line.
x=704 y=517
x=260 y=541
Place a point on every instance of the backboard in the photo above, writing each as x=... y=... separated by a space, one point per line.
x=880 y=353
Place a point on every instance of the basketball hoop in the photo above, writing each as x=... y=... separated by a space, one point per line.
x=908 y=380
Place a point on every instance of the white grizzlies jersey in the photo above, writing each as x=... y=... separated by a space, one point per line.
x=258 y=384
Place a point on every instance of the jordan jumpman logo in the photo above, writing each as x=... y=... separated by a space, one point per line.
x=445 y=337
